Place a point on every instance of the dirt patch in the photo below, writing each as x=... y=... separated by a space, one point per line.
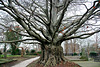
x=66 y=64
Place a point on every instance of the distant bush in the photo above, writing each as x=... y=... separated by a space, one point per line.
x=27 y=52
x=93 y=54
x=32 y=52
x=9 y=50
x=0 y=53
x=39 y=53
x=35 y=54
x=81 y=54
x=74 y=54
x=18 y=51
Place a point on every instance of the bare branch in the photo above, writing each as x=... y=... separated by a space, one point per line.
x=22 y=7
x=81 y=21
x=82 y=36
x=84 y=5
x=21 y=34
x=66 y=4
x=16 y=41
x=9 y=13
x=31 y=42
x=44 y=21
x=4 y=25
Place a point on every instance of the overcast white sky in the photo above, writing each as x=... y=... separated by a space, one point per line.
x=86 y=41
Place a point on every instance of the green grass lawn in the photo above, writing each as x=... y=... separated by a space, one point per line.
x=88 y=63
x=11 y=58
x=5 y=60
x=18 y=56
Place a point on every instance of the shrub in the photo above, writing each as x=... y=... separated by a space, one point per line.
x=27 y=52
x=18 y=51
x=0 y=53
x=93 y=54
x=81 y=54
x=74 y=54
x=35 y=54
x=32 y=52
x=9 y=51
x=39 y=53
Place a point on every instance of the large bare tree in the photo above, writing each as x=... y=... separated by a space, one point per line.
x=47 y=22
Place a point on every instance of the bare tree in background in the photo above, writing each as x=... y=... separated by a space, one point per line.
x=47 y=22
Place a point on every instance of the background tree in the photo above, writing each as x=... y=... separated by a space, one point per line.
x=11 y=35
x=5 y=54
x=49 y=22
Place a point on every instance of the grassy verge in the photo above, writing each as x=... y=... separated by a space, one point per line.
x=2 y=61
x=8 y=56
x=14 y=59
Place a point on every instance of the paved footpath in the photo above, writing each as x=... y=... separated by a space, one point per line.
x=26 y=62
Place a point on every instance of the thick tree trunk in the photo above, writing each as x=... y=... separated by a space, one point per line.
x=22 y=52
x=5 y=53
x=51 y=56
x=13 y=49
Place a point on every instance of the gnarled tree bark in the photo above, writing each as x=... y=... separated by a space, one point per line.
x=51 y=55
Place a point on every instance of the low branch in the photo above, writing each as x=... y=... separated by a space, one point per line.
x=31 y=42
x=13 y=41
x=4 y=25
x=9 y=13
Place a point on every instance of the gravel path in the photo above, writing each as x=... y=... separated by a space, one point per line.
x=26 y=62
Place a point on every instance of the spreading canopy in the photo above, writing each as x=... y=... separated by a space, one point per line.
x=48 y=21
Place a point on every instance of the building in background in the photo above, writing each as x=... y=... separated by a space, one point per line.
x=71 y=48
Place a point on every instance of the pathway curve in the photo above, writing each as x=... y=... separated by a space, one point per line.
x=26 y=62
